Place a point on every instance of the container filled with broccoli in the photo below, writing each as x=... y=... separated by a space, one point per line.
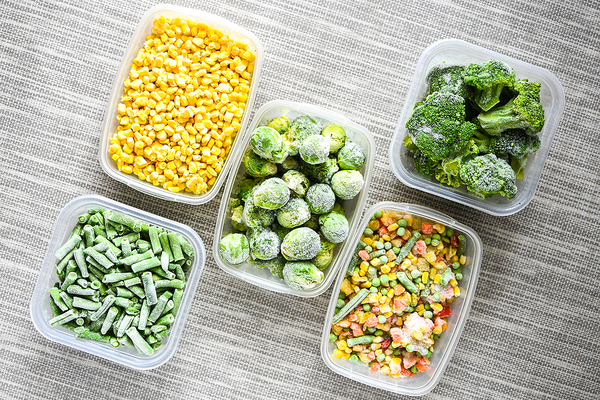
x=476 y=127
x=299 y=189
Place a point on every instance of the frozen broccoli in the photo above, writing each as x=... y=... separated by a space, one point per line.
x=408 y=143
x=264 y=244
x=297 y=182
x=514 y=142
x=336 y=136
x=320 y=198
x=234 y=248
x=489 y=79
x=321 y=172
x=347 y=184
x=482 y=141
x=314 y=149
x=267 y=143
x=301 y=128
x=351 y=156
x=524 y=111
x=300 y=244
x=272 y=194
x=487 y=175
x=302 y=275
x=280 y=124
x=334 y=227
x=449 y=79
x=258 y=167
x=424 y=164
x=294 y=213
x=325 y=255
x=451 y=164
x=438 y=126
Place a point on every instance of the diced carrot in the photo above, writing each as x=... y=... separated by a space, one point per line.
x=363 y=254
x=371 y=356
x=445 y=312
x=420 y=248
x=371 y=321
x=352 y=317
x=386 y=221
x=375 y=367
x=404 y=372
x=426 y=228
x=382 y=231
x=396 y=334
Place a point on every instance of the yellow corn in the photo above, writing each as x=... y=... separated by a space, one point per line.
x=425 y=277
x=453 y=282
x=338 y=353
x=437 y=306
x=439 y=227
x=437 y=278
x=385 y=269
x=437 y=331
x=456 y=291
x=417 y=335
x=368 y=241
x=393 y=227
x=462 y=260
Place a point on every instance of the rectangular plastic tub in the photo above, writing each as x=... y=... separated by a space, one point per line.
x=458 y=52
x=262 y=277
x=421 y=383
x=40 y=301
x=110 y=121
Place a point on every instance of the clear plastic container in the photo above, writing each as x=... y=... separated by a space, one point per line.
x=40 y=303
x=262 y=277
x=110 y=121
x=421 y=383
x=458 y=52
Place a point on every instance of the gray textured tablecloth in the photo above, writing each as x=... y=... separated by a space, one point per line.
x=533 y=328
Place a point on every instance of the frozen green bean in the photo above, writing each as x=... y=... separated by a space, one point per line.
x=146 y=264
x=139 y=341
x=85 y=304
x=68 y=246
x=149 y=288
x=106 y=304
x=154 y=241
x=164 y=242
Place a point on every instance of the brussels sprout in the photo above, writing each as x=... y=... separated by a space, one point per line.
x=314 y=149
x=321 y=172
x=312 y=223
x=347 y=183
x=351 y=156
x=320 y=198
x=334 y=227
x=271 y=194
x=264 y=244
x=282 y=231
x=337 y=208
x=300 y=244
x=257 y=167
x=245 y=187
x=294 y=213
x=297 y=182
x=302 y=275
x=336 y=136
x=234 y=248
x=268 y=144
x=255 y=217
x=289 y=163
x=236 y=218
x=325 y=255
x=280 y=124
x=301 y=128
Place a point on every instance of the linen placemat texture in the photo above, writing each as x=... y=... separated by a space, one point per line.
x=533 y=329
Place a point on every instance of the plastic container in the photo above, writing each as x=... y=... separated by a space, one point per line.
x=110 y=122
x=454 y=52
x=262 y=277
x=40 y=303
x=421 y=383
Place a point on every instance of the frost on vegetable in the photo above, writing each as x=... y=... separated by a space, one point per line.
x=334 y=227
x=351 y=156
x=258 y=167
x=280 y=124
x=234 y=248
x=289 y=163
x=274 y=265
x=267 y=143
x=321 y=172
x=237 y=217
x=301 y=244
x=245 y=187
x=301 y=128
x=325 y=255
x=264 y=244
x=320 y=198
x=294 y=213
x=313 y=222
x=302 y=275
x=272 y=194
x=347 y=184
x=255 y=217
x=336 y=136
x=314 y=149
x=488 y=175
x=297 y=182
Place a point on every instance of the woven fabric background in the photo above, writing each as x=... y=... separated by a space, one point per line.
x=533 y=329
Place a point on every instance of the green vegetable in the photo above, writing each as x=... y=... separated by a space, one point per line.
x=272 y=194
x=297 y=182
x=355 y=301
x=302 y=275
x=361 y=245
x=351 y=156
x=234 y=248
x=424 y=164
x=320 y=198
x=336 y=136
x=294 y=213
x=264 y=244
x=321 y=172
x=448 y=79
x=301 y=244
x=365 y=339
x=245 y=187
x=408 y=246
x=325 y=254
x=487 y=175
x=489 y=79
x=314 y=149
x=301 y=128
x=347 y=184
x=258 y=167
x=280 y=124
x=334 y=227
x=267 y=143
x=237 y=218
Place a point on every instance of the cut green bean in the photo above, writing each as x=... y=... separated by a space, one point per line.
x=186 y=246
x=124 y=325
x=110 y=318
x=168 y=308
x=360 y=246
x=68 y=246
x=125 y=341
x=179 y=274
x=131 y=237
x=144 y=313
x=85 y=304
x=84 y=333
x=157 y=328
x=83 y=218
x=365 y=339
x=114 y=248
x=408 y=246
x=60 y=266
x=71 y=267
x=117 y=277
x=123 y=292
x=175 y=246
x=98 y=257
x=177 y=296
x=111 y=232
x=446 y=276
x=82 y=282
x=132 y=281
x=406 y=282
x=165 y=320
x=159 y=307
x=88 y=235
x=70 y=279
x=98 y=231
x=79 y=291
x=101 y=246
x=149 y=288
x=171 y=284
x=139 y=341
x=161 y=335
x=462 y=244
x=146 y=264
x=164 y=242
x=133 y=224
x=106 y=304
x=350 y=305
x=138 y=291
x=125 y=248
x=66 y=298
x=111 y=256
x=136 y=258
x=80 y=261
x=96 y=285
x=94 y=264
x=164 y=261
x=167 y=275
x=154 y=241
x=63 y=318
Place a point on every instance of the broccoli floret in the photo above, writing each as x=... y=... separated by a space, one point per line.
x=482 y=141
x=408 y=143
x=444 y=78
x=488 y=175
x=451 y=164
x=450 y=180
x=438 y=126
x=514 y=142
x=524 y=111
x=424 y=164
x=488 y=79
x=518 y=165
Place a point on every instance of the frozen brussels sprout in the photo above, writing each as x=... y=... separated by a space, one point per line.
x=300 y=244
x=325 y=255
x=314 y=149
x=294 y=213
x=334 y=227
x=347 y=184
x=255 y=217
x=297 y=182
x=264 y=244
x=320 y=172
x=302 y=275
x=337 y=208
x=289 y=163
x=351 y=156
x=320 y=198
x=234 y=248
x=281 y=231
x=280 y=124
x=301 y=128
x=245 y=187
x=271 y=194
x=236 y=218
x=336 y=136
x=257 y=167
x=268 y=144
x=313 y=222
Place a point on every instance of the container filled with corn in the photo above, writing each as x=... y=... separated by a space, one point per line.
x=182 y=96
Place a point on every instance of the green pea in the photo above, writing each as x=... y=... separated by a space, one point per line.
x=373 y=289
x=340 y=303
x=401 y=231
x=427 y=306
x=368 y=232
x=381 y=357
x=436 y=236
x=455 y=264
x=410 y=348
x=396 y=250
x=414 y=369
x=436 y=297
x=375 y=282
x=435 y=242
x=417 y=280
x=428 y=353
x=372 y=271
x=379 y=214
x=378 y=332
x=353 y=358
x=387 y=245
x=384 y=279
x=458 y=276
x=435 y=337
x=383 y=259
x=368 y=249
x=415 y=273
x=402 y=222
x=337 y=310
x=371 y=329
x=332 y=337
x=379 y=245
x=381 y=319
x=397 y=352
x=449 y=232
x=384 y=291
x=427 y=241
x=428 y=314
x=342 y=295
x=409 y=309
x=458 y=271
x=367 y=307
x=393 y=283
